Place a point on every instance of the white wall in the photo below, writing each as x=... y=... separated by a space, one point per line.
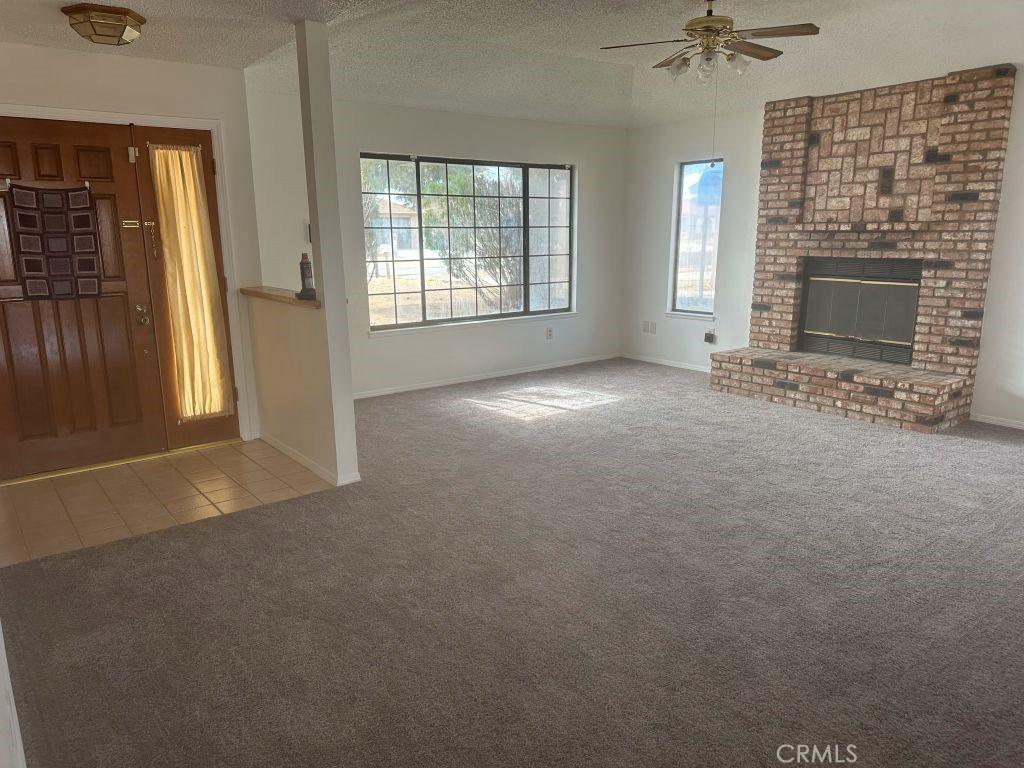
x=393 y=360
x=654 y=154
x=999 y=392
x=292 y=369
x=104 y=87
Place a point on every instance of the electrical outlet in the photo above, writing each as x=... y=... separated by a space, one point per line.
x=549 y=333
x=710 y=336
x=649 y=326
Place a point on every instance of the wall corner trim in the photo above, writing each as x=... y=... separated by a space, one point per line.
x=318 y=469
x=349 y=479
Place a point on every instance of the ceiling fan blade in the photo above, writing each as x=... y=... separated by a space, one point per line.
x=789 y=30
x=635 y=45
x=753 y=50
x=674 y=57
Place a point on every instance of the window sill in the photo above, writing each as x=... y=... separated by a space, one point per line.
x=384 y=332
x=691 y=315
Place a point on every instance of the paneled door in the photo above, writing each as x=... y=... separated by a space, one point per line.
x=79 y=370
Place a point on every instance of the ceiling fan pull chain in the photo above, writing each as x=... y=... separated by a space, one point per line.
x=714 y=123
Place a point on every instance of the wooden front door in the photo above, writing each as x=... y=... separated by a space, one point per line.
x=82 y=347
x=79 y=373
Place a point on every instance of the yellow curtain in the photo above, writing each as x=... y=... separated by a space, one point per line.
x=198 y=335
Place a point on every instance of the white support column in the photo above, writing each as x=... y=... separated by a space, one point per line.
x=325 y=222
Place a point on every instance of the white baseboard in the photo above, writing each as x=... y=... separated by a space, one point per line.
x=671 y=363
x=12 y=751
x=312 y=466
x=480 y=376
x=999 y=421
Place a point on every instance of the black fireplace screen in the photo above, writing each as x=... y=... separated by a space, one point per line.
x=860 y=307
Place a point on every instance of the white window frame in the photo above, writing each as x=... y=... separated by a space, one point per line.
x=673 y=256
x=527 y=311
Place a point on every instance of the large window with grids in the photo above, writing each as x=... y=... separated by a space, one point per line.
x=455 y=240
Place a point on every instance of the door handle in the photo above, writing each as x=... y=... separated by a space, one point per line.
x=144 y=320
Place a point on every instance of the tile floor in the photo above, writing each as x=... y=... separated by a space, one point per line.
x=46 y=517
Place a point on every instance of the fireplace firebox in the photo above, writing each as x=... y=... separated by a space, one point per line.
x=865 y=308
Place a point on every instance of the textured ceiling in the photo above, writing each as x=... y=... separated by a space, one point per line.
x=540 y=58
x=227 y=33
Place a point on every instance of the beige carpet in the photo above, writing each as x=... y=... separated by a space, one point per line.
x=604 y=565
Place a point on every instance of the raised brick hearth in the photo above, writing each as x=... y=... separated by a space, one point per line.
x=909 y=171
x=899 y=395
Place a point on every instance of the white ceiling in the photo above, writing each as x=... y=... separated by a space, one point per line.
x=227 y=33
x=540 y=58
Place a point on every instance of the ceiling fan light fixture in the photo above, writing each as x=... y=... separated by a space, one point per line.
x=707 y=65
x=104 y=24
x=679 y=66
x=737 y=63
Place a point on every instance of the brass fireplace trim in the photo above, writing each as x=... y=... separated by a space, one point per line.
x=859 y=338
x=868 y=281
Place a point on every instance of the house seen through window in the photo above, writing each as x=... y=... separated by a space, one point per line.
x=697 y=222
x=450 y=240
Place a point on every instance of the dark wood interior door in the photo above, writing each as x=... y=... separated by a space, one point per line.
x=182 y=432
x=79 y=370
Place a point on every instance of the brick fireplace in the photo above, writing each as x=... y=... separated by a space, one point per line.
x=864 y=190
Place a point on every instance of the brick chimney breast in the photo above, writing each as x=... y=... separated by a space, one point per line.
x=909 y=171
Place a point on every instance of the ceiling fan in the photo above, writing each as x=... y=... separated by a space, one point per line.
x=710 y=37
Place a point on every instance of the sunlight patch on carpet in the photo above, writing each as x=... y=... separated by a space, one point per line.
x=529 y=403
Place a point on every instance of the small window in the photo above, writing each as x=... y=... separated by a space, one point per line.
x=454 y=240
x=696 y=243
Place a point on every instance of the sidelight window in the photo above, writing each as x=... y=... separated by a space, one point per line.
x=198 y=333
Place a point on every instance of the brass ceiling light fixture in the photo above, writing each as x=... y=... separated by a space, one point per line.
x=104 y=24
